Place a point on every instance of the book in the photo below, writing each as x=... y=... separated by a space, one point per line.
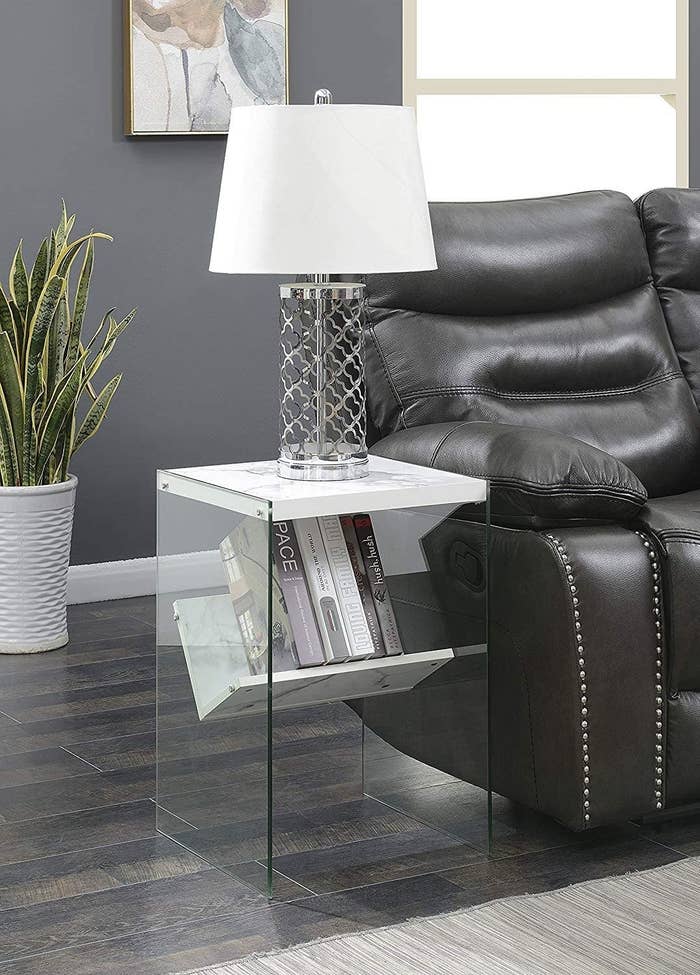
x=245 y=556
x=297 y=600
x=363 y=585
x=380 y=593
x=323 y=593
x=359 y=638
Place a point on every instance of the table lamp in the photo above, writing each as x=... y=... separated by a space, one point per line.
x=312 y=190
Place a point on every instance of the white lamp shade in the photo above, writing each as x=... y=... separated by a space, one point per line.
x=322 y=189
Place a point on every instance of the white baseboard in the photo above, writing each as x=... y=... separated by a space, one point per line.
x=137 y=577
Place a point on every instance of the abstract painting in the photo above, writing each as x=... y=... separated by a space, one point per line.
x=188 y=62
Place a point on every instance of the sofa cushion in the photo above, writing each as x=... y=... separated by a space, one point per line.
x=538 y=477
x=671 y=222
x=675 y=525
x=543 y=313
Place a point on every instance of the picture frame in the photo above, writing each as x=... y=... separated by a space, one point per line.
x=240 y=66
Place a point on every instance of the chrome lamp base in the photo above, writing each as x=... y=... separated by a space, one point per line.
x=332 y=470
x=322 y=381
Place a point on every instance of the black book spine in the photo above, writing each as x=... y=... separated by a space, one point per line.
x=363 y=586
x=380 y=594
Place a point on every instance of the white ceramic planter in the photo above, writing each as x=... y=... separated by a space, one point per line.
x=35 y=535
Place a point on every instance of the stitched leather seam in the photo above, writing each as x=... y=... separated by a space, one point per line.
x=679 y=537
x=443 y=440
x=564 y=563
x=657 y=617
x=602 y=490
x=387 y=374
x=543 y=395
x=642 y=286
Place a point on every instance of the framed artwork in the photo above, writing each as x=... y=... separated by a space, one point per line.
x=188 y=62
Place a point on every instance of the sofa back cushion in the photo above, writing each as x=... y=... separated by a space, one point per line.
x=543 y=313
x=671 y=222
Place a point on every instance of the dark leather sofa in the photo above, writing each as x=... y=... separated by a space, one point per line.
x=556 y=350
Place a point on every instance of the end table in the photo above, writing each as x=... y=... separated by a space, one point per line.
x=303 y=780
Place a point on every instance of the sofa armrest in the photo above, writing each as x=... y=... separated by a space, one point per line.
x=538 y=477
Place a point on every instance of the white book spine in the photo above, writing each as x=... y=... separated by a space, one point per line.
x=336 y=644
x=361 y=644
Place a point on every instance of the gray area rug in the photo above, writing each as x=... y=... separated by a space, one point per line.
x=645 y=923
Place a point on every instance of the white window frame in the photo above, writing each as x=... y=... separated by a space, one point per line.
x=673 y=90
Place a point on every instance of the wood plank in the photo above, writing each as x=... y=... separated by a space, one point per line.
x=138 y=607
x=61 y=796
x=111 y=648
x=254 y=874
x=80 y=830
x=84 y=676
x=605 y=853
x=248 y=737
x=71 y=730
x=214 y=940
x=120 y=724
x=377 y=860
x=40 y=766
x=69 y=874
x=184 y=946
x=94 y=700
x=681 y=834
x=149 y=905
x=461 y=809
x=293 y=832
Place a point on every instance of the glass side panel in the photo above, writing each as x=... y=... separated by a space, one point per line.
x=598 y=39
x=426 y=751
x=498 y=147
x=369 y=787
x=212 y=619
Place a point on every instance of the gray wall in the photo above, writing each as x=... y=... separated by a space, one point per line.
x=200 y=363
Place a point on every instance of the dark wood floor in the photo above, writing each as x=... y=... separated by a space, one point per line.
x=88 y=886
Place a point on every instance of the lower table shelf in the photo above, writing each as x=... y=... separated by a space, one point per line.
x=335 y=682
x=217 y=665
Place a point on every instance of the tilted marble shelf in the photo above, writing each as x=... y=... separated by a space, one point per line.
x=256 y=489
x=222 y=687
x=334 y=682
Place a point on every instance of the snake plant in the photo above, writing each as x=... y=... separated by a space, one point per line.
x=46 y=367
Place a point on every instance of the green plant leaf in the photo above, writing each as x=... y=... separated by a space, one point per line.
x=20 y=324
x=64 y=260
x=7 y=321
x=11 y=384
x=65 y=445
x=61 y=405
x=81 y=300
x=58 y=391
x=96 y=414
x=114 y=331
x=19 y=284
x=39 y=272
x=8 y=452
x=53 y=248
x=37 y=332
x=62 y=229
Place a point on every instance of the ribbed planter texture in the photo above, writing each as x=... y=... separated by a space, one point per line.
x=35 y=536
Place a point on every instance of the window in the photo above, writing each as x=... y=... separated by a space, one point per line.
x=518 y=98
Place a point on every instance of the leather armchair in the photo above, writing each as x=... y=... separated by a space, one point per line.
x=556 y=351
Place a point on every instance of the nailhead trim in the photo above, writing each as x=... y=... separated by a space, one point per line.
x=583 y=686
x=659 y=718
